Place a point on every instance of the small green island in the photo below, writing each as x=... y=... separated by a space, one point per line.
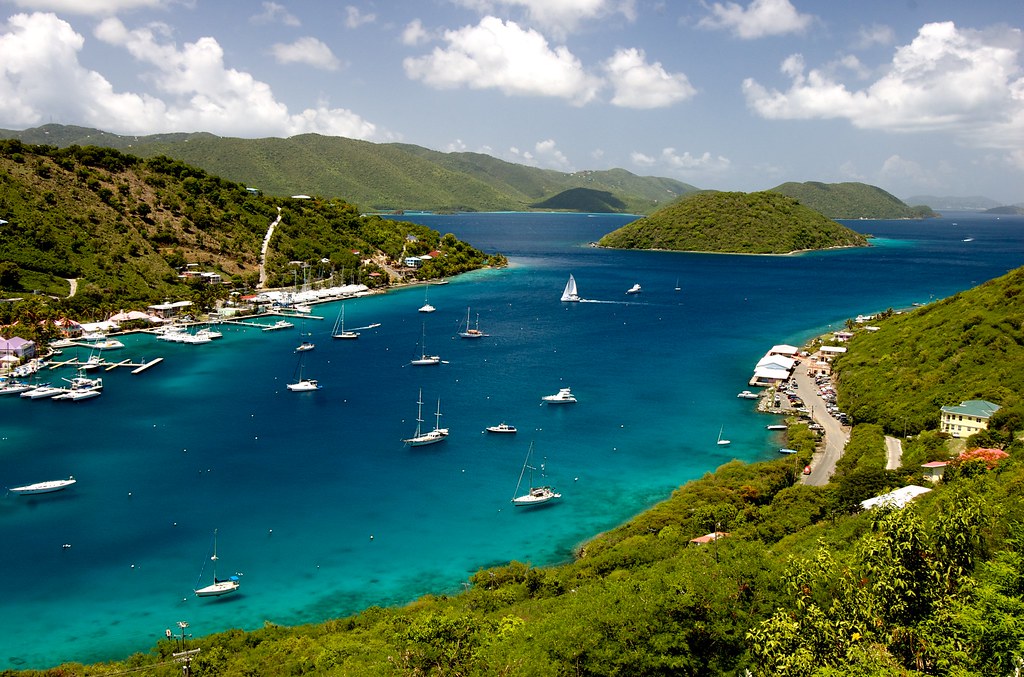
x=764 y=222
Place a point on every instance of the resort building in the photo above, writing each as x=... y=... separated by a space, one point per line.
x=17 y=347
x=821 y=361
x=966 y=418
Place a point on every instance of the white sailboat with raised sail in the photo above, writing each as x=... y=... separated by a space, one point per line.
x=421 y=438
x=570 y=293
x=425 y=359
x=536 y=494
x=472 y=332
x=218 y=587
x=339 y=327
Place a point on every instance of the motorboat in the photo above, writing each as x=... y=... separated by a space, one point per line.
x=15 y=387
x=747 y=395
x=209 y=333
x=280 y=324
x=563 y=396
x=305 y=345
x=43 y=487
x=107 y=344
x=438 y=434
x=501 y=428
x=635 y=289
x=777 y=426
x=42 y=392
x=787 y=451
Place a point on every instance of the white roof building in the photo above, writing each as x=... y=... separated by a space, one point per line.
x=784 y=349
x=897 y=498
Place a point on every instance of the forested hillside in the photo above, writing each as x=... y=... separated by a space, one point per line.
x=749 y=223
x=851 y=200
x=968 y=346
x=123 y=227
x=373 y=176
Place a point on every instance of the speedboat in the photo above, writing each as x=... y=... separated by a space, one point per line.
x=305 y=345
x=501 y=428
x=747 y=395
x=787 y=451
x=777 y=426
x=280 y=324
x=305 y=385
x=108 y=344
x=635 y=289
x=209 y=333
x=43 y=487
x=427 y=308
x=563 y=396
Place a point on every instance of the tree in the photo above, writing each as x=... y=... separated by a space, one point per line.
x=10 y=275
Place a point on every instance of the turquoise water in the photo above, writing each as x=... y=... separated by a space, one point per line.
x=320 y=507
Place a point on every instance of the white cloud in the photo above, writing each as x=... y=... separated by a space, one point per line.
x=558 y=17
x=682 y=164
x=414 y=34
x=875 y=34
x=89 y=7
x=545 y=154
x=500 y=55
x=191 y=89
x=354 y=18
x=759 y=19
x=275 y=13
x=307 y=50
x=638 y=84
x=963 y=81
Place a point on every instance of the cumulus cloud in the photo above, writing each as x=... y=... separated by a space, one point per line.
x=275 y=13
x=354 y=18
x=682 y=163
x=88 y=7
x=875 y=34
x=414 y=34
x=759 y=19
x=306 y=50
x=963 y=81
x=558 y=17
x=544 y=154
x=191 y=88
x=639 y=84
x=501 y=55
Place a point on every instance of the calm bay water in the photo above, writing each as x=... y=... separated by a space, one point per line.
x=318 y=504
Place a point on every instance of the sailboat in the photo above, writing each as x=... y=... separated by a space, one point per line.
x=570 y=293
x=678 y=288
x=303 y=384
x=436 y=435
x=218 y=587
x=424 y=358
x=721 y=442
x=536 y=495
x=339 y=327
x=471 y=332
x=426 y=307
x=305 y=345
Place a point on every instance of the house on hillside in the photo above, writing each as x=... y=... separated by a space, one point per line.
x=821 y=361
x=933 y=470
x=966 y=418
x=17 y=347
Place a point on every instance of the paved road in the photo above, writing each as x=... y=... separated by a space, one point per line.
x=893 y=453
x=263 y=251
x=836 y=435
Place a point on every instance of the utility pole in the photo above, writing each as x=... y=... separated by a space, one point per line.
x=185 y=655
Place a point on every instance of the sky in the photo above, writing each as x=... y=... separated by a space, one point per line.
x=918 y=97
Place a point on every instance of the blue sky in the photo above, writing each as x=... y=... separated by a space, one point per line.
x=915 y=97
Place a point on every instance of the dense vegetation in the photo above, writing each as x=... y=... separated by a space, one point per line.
x=583 y=200
x=851 y=200
x=122 y=228
x=377 y=177
x=968 y=346
x=750 y=223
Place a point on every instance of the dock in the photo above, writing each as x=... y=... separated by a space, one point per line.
x=137 y=367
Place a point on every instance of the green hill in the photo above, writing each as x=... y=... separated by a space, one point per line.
x=122 y=227
x=749 y=223
x=376 y=177
x=851 y=201
x=582 y=200
x=968 y=346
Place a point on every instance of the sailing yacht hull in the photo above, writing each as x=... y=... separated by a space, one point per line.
x=217 y=589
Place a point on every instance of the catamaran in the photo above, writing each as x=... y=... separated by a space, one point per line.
x=570 y=292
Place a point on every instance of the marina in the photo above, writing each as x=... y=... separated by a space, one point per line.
x=215 y=424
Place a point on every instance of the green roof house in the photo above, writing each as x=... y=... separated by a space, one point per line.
x=966 y=418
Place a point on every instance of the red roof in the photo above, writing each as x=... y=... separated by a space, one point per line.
x=935 y=464
x=707 y=538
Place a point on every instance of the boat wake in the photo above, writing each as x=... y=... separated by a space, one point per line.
x=616 y=303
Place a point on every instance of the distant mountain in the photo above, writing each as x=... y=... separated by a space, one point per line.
x=851 y=200
x=959 y=204
x=752 y=223
x=583 y=200
x=376 y=177
x=1011 y=210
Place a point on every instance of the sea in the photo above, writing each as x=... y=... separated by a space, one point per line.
x=318 y=506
